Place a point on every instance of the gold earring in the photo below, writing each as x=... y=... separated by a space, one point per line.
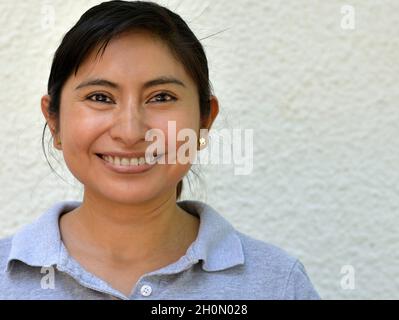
x=59 y=142
x=202 y=141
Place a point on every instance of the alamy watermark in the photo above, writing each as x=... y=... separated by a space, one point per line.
x=47 y=20
x=226 y=146
x=348 y=21
x=48 y=280
x=348 y=278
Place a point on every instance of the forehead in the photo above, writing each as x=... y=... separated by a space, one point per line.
x=133 y=56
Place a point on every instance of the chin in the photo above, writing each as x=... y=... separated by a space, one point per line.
x=130 y=196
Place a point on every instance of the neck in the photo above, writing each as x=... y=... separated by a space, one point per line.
x=123 y=232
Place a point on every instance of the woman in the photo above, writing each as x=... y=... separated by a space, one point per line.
x=124 y=69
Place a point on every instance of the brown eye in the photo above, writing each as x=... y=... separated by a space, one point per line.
x=99 y=97
x=162 y=97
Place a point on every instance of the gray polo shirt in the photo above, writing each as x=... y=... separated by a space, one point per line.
x=222 y=263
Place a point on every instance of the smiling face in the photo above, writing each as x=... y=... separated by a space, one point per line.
x=114 y=116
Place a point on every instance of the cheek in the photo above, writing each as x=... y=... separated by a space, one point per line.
x=79 y=128
x=174 y=123
x=178 y=122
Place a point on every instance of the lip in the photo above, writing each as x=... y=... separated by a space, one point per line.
x=124 y=154
x=127 y=169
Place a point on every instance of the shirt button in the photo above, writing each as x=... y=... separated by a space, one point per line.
x=146 y=290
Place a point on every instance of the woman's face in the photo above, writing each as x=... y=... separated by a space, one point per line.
x=98 y=119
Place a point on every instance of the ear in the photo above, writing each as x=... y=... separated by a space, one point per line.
x=207 y=122
x=214 y=110
x=52 y=123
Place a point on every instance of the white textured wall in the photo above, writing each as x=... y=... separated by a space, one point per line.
x=323 y=102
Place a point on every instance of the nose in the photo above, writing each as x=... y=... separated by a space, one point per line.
x=129 y=124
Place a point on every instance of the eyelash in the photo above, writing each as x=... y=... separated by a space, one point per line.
x=172 y=98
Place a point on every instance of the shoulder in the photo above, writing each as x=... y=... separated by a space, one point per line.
x=5 y=247
x=270 y=253
x=275 y=268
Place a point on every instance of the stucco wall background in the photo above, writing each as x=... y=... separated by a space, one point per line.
x=322 y=101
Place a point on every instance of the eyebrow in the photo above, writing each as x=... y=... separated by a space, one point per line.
x=146 y=85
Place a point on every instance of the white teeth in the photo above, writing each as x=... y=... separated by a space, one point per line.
x=125 y=161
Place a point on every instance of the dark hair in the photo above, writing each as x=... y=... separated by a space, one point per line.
x=103 y=22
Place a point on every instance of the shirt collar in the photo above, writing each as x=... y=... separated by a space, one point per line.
x=38 y=243
x=217 y=245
